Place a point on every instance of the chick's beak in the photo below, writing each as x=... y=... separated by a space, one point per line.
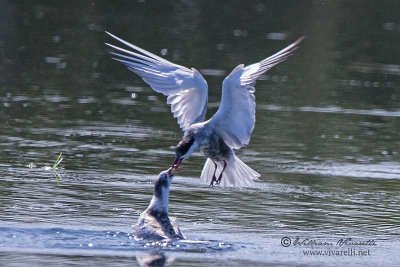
x=171 y=171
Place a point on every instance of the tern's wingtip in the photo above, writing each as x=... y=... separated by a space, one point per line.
x=300 y=39
x=112 y=35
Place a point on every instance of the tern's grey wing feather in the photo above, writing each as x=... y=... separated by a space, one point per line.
x=186 y=89
x=235 y=118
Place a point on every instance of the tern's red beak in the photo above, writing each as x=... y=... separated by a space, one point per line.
x=176 y=164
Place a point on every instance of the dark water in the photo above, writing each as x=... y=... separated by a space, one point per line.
x=326 y=140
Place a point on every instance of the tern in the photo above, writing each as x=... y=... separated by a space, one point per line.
x=154 y=223
x=229 y=129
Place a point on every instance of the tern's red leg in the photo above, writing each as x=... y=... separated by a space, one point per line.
x=214 y=178
x=220 y=176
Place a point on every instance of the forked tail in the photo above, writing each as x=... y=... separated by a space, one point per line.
x=236 y=173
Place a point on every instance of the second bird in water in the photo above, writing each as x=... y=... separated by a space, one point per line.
x=154 y=223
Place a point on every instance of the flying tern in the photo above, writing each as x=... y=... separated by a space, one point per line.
x=227 y=130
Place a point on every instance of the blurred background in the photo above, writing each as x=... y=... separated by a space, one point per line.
x=326 y=140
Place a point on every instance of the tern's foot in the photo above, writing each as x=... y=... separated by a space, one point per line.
x=218 y=181
x=213 y=181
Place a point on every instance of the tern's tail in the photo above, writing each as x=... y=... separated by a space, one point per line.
x=236 y=172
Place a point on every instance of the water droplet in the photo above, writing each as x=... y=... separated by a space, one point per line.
x=94 y=27
x=52 y=60
x=221 y=46
x=56 y=38
x=31 y=165
x=164 y=52
x=260 y=7
x=279 y=36
x=388 y=26
x=240 y=33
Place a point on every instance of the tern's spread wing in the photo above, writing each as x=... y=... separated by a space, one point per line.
x=234 y=120
x=186 y=89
